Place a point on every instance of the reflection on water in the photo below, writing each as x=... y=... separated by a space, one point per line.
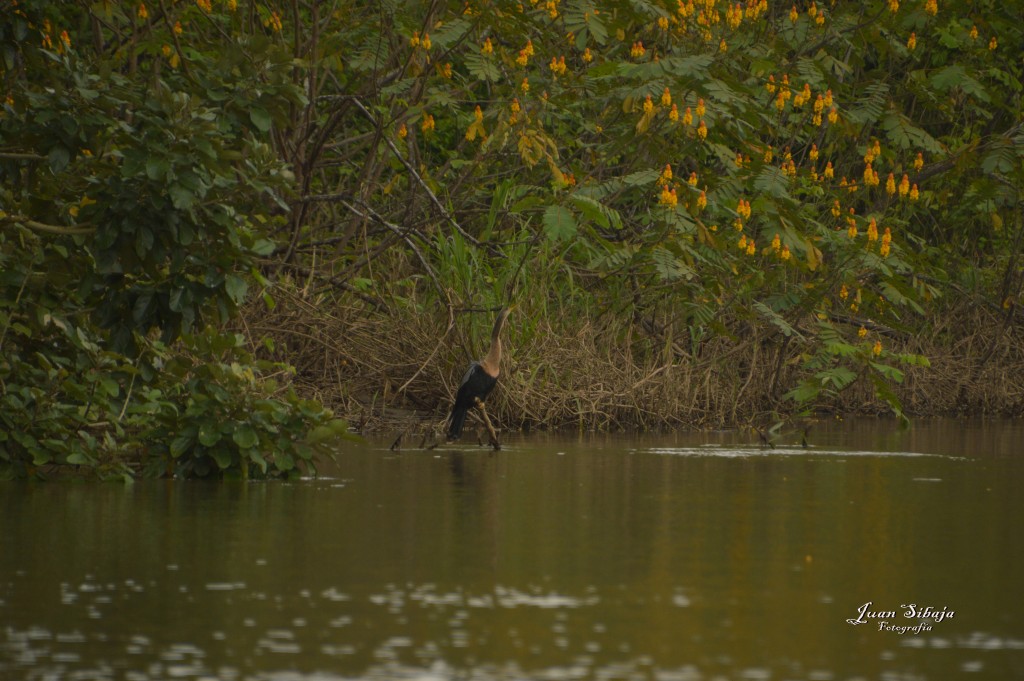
x=699 y=557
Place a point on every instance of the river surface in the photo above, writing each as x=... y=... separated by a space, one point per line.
x=670 y=558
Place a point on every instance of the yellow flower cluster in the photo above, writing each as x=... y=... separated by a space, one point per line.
x=919 y=161
x=870 y=176
x=274 y=22
x=743 y=209
x=673 y=115
x=872 y=230
x=904 y=188
x=666 y=97
x=912 y=41
x=427 y=125
x=524 y=54
x=829 y=173
x=557 y=66
x=205 y=5
x=890 y=184
x=403 y=131
x=666 y=174
x=702 y=130
x=142 y=13
x=648 y=103
x=931 y=7
x=668 y=197
x=702 y=201
x=487 y=47
x=886 y=240
x=637 y=50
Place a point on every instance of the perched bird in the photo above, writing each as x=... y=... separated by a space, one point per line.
x=479 y=380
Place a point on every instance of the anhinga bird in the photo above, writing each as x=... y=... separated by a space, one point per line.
x=479 y=380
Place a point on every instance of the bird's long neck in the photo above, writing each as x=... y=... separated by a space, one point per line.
x=491 y=363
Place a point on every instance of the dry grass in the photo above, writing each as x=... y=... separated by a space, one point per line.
x=386 y=368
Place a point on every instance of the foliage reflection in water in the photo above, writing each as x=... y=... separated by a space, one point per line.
x=604 y=558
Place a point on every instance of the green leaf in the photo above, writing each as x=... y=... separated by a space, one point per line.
x=559 y=223
x=236 y=288
x=244 y=436
x=59 y=158
x=209 y=434
x=260 y=117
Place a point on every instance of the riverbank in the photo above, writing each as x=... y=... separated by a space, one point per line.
x=384 y=368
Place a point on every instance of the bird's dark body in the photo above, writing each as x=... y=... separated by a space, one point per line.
x=476 y=383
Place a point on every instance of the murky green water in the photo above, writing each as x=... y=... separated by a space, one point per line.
x=602 y=558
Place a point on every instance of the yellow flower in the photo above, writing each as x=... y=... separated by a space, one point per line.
x=837 y=209
x=668 y=197
x=414 y=41
x=487 y=48
x=673 y=115
x=876 y=350
x=813 y=155
x=666 y=97
x=743 y=209
x=793 y=14
x=702 y=130
x=232 y=5
x=751 y=247
x=427 y=124
x=913 y=193
x=445 y=71
x=912 y=41
x=403 y=131
x=828 y=98
x=862 y=332
x=65 y=41
x=702 y=201
x=993 y=44
x=974 y=32
x=525 y=85
x=829 y=171
x=167 y=50
x=776 y=242
x=737 y=224
x=637 y=50
x=872 y=230
x=819 y=20
x=688 y=117
x=931 y=7
x=904 y=186
x=785 y=253
x=742 y=243
x=768 y=154
x=722 y=46
x=557 y=67
x=205 y=5
x=663 y=23
x=529 y=48
x=890 y=184
x=275 y=22
x=919 y=161
x=739 y=159
x=178 y=30
x=894 y=6
x=812 y=10
x=587 y=56
x=666 y=174
x=844 y=293
x=648 y=104
x=833 y=115
x=770 y=85
x=692 y=180
x=700 y=108
x=142 y=12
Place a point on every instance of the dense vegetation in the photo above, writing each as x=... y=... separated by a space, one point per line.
x=707 y=212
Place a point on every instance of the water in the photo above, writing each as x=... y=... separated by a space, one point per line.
x=698 y=557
